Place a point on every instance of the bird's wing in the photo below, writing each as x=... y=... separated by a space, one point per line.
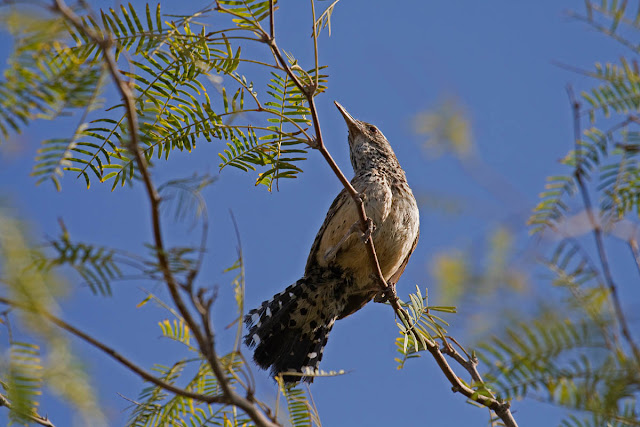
x=341 y=216
x=396 y=276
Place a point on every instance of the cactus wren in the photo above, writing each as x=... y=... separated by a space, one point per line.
x=290 y=330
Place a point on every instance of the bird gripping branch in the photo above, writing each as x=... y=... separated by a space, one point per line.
x=290 y=330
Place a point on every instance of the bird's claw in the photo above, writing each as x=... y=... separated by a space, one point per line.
x=388 y=294
x=331 y=253
x=368 y=232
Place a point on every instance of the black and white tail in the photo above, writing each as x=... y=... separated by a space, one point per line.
x=290 y=330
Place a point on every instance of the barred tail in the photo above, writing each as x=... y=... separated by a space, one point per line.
x=290 y=330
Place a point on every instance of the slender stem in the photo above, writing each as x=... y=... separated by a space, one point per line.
x=253 y=39
x=253 y=95
x=597 y=230
x=38 y=419
x=604 y=30
x=469 y=362
x=502 y=409
x=315 y=43
x=114 y=354
x=272 y=24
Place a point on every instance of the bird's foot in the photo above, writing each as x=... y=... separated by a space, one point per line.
x=368 y=232
x=388 y=294
x=331 y=253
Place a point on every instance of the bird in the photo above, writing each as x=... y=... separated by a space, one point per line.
x=289 y=331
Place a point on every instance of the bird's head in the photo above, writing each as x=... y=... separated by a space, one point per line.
x=367 y=144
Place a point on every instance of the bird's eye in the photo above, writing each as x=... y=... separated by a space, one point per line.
x=373 y=129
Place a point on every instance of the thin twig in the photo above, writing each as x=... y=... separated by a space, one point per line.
x=114 y=354
x=597 y=230
x=195 y=270
x=240 y=253
x=132 y=120
x=501 y=408
x=604 y=30
x=315 y=43
x=38 y=419
x=272 y=24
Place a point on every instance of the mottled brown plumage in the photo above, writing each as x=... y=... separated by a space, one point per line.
x=291 y=330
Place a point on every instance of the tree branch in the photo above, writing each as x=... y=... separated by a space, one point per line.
x=502 y=409
x=597 y=230
x=114 y=354
x=315 y=43
x=38 y=419
x=132 y=120
x=205 y=340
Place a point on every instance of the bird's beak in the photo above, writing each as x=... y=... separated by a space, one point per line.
x=352 y=123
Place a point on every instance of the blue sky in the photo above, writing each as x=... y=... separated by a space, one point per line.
x=386 y=64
